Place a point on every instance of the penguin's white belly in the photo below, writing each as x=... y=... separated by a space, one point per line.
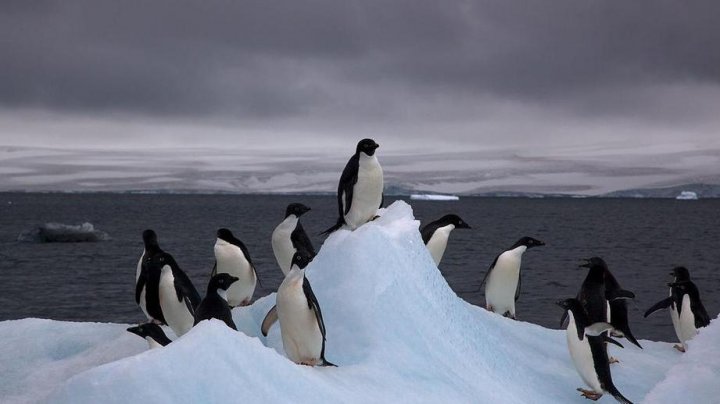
x=367 y=193
x=152 y=344
x=582 y=356
x=143 y=303
x=175 y=311
x=301 y=336
x=502 y=283
x=686 y=321
x=231 y=260
x=282 y=246
x=438 y=242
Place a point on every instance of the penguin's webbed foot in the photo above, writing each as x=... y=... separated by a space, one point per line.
x=509 y=315
x=613 y=360
x=589 y=394
x=490 y=308
x=679 y=347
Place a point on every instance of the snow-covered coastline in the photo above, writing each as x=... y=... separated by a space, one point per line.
x=395 y=328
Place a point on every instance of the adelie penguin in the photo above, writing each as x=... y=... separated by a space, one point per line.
x=617 y=313
x=686 y=310
x=177 y=298
x=152 y=333
x=586 y=342
x=435 y=234
x=232 y=257
x=301 y=323
x=215 y=304
x=288 y=238
x=503 y=280
x=142 y=278
x=360 y=190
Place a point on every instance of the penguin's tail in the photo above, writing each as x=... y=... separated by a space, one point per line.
x=326 y=363
x=337 y=225
x=619 y=397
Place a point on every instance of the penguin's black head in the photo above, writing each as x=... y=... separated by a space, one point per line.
x=680 y=274
x=297 y=209
x=301 y=259
x=148 y=330
x=149 y=238
x=225 y=234
x=366 y=146
x=569 y=304
x=528 y=242
x=594 y=262
x=221 y=281
x=454 y=220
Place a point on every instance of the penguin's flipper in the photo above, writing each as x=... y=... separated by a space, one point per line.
x=598 y=328
x=628 y=335
x=326 y=363
x=270 y=318
x=301 y=241
x=702 y=319
x=315 y=307
x=563 y=318
x=214 y=270
x=612 y=341
x=492 y=266
x=619 y=294
x=662 y=304
x=348 y=179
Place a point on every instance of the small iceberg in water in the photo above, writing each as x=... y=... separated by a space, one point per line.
x=63 y=233
x=687 y=196
x=433 y=197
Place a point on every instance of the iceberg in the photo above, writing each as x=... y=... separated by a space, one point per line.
x=433 y=197
x=63 y=233
x=396 y=330
x=687 y=196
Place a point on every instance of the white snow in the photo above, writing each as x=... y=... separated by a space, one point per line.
x=687 y=196
x=394 y=327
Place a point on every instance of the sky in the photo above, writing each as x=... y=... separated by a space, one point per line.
x=626 y=85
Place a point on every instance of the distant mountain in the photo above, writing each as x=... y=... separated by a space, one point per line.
x=702 y=191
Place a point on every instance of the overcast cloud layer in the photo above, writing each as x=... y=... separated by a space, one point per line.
x=551 y=78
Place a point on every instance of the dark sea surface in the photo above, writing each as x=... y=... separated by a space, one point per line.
x=641 y=239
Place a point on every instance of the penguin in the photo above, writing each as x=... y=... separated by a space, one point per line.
x=232 y=257
x=152 y=333
x=586 y=343
x=503 y=278
x=141 y=278
x=360 y=190
x=617 y=313
x=686 y=310
x=301 y=323
x=289 y=237
x=592 y=291
x=435 y=234
x=178 y=297
x=215 y=304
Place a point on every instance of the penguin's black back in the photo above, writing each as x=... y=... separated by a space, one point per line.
x=592 y=296
x=214 y=306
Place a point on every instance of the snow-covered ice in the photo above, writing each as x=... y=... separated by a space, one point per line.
x=433 y=197
x=394 y=327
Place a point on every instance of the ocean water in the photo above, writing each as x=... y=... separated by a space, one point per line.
x=641 y=239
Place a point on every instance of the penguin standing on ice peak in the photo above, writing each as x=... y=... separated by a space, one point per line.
x=586 y=343
x=360 y=190
x=289 y=237
x=178 y=297
x=435 y=234
x=143 y=277
x=301 y=323
x=686 y=309
x=502 y=280
x=215 y=304
x=232 y=257
x=617 y=312
x=152 y=333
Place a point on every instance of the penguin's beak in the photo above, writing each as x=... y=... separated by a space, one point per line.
x=561 y=303
x=376 y=146
x=464 y=226
x=305 y=210
x=585 y=264
x=135 y=330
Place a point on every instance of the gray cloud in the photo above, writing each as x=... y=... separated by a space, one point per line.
x=314 y=59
